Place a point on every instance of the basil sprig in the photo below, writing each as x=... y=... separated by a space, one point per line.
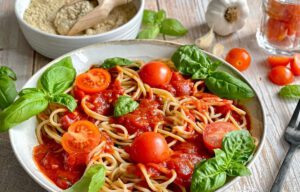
x=8 y=91
x=92 y=180
x=32 y=101
x=124 y=105
x=157 y=22
x=290 y=92
x=190 y=60
x=237 y=149
x=114 y=61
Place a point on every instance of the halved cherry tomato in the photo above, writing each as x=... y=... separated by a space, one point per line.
x=155 y=74
x=239 y=58
x=281 y=75
x=295 y=65
x=214 y=133
x=149 y=147
x=275 y=60
x=95 y=80
x=82 y=137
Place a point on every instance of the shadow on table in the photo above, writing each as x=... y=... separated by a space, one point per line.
x=13 y=178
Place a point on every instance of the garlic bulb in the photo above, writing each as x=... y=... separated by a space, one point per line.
x=226 y=16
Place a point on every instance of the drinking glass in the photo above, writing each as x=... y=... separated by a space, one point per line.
x=279 y=31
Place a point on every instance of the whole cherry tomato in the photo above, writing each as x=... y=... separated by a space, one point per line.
x=281 y=75
x=239 y=58
x=155 y=74
x=149 y=147
x=295 y=65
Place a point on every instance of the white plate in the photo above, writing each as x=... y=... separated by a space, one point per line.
x=23 y=137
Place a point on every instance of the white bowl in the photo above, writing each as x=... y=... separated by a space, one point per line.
x=23 y=137
x=53 y=46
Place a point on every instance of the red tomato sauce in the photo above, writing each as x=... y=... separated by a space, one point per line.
x=143 y=119
x=64 y=170
x=179 y=86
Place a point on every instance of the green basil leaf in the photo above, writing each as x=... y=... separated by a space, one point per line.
x=160 y=17
x=149 y=17
x=4 y=70
x=29 y=91
x=149 y=33
x=208 y=175
x=172 y=27
x=92 y=180
x=113 y=62
x=58 y=77
x=200 y=74
x=124 y=105
x=8 y=91
x=239 y=146
x=237 y=169
x=290 y=92
x=189 y=59
x=225 y=85
x=65 y=100
x=22 y=109
x=214 y=65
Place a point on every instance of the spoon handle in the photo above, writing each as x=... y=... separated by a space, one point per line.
x=278 y=183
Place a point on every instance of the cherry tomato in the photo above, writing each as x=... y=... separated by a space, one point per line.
x=149 y=147
x=82 y=137
x=281 y=75
x=95 y=80
x=275 y=60
x=214 y=133
x=239 y=58
x=155 y=74
x=276 y=30
x=295 y=65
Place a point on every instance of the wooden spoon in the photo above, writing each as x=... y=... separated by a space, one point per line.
x=96 y=15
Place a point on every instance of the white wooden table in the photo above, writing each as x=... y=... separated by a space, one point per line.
x=17 y=54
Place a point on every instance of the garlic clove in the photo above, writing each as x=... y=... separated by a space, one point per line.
x=218 y=49
x=206 y=41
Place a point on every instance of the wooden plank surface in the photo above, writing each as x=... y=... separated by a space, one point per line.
x=16 y=53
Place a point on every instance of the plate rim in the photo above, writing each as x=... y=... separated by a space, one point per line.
x=159 y=43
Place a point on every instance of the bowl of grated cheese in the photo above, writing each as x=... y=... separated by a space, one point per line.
x=44 y=23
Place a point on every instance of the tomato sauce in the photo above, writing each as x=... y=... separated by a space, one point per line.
x=179 y=86
x=61 y=168
x=143 y=119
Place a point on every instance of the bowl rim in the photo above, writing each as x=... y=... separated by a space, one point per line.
x=159 y=43
x=120 y=28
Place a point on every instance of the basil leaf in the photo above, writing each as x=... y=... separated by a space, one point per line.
x=189 y=59
x=290 y=92
x=8 y=91
x=239 y=146
x=172 y=27
x=22 y=109
x=153 y=18
x=160 y=17
x=149 y=33
x=58 y=77
x=4 y=70
x=92 y=180
x=208 y=176
x=124 y=105
x=112 y=62
x=149 y=17
x=237 y=169
x=225 y=85
x=214 y=65
x=29 y=91
x=65 y=100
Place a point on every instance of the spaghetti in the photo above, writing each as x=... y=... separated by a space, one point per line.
x=180 y=114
